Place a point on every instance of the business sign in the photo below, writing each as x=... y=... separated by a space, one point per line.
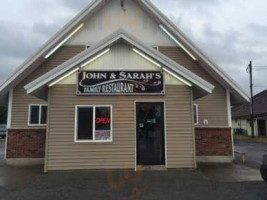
x=120 y=83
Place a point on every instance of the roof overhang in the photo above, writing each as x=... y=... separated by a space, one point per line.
x=39 y=86
x=35 y=60
x=237 y=94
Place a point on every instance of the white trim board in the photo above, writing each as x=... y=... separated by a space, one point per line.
x=9 y=117
x=75 y=62
x=10 y=106
x=93 y=125
x=228 y=100
x=40 y=115
x=192 y=48
x=48 y=46
x=229 y=111
x=158 y=16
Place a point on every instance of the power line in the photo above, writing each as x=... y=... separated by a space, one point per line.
x=259 y=66
x=260 y=69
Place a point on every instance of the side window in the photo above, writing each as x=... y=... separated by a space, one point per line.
x=93 y=124
x=37 y=115
x=196 y=114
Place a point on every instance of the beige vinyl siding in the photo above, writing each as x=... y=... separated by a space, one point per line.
x=64 y=154
x=21 y=99
x=212 y=107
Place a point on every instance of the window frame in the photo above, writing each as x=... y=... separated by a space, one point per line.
x=76 y=140
x=197 y=114
x=40 y=115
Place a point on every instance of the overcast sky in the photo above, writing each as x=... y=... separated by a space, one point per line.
x=230 y=32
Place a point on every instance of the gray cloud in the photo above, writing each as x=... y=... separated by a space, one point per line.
x=231 y=43
x=229 y=50
x=76 y=5
x=187 y=3
x=19 y=41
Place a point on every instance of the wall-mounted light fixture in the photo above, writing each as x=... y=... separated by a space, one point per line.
x=146 y=57
x=165 y=69
x=65 y=40
x=63 y=77
x=177 y=42
x=76 y=69
x=177 y=77
x=95 y=58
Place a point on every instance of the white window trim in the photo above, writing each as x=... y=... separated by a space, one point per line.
x=76 y=124
x=196 y=105
x=29 y=115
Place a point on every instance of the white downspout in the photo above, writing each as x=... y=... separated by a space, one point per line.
x=9 y=116
x=229 y=112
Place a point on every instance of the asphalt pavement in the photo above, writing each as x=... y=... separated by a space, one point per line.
x=151 y=185
x=254 y=152
x=2 y=151
x=208 y=182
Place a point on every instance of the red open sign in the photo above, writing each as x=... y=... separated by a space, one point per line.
x=102 y=120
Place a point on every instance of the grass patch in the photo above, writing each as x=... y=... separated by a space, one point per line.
x=249 y=139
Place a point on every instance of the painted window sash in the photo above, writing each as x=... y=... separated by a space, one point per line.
x=76 y=140
x=39 y=117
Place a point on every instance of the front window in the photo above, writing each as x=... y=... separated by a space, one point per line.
x=37 y=115
x=93 y=124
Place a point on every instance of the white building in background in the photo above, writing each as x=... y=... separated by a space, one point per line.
x=241 y=116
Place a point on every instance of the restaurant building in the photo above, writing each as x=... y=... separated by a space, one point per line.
x=119 y=86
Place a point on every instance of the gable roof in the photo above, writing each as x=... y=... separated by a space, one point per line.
x=39 y=86
x=237 y=94
x=260 y=107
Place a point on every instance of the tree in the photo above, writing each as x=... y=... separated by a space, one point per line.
x=3 y=115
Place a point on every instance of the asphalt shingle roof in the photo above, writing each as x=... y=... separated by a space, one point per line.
x=260 y=107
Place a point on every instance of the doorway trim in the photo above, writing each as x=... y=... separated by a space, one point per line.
x=165 y=132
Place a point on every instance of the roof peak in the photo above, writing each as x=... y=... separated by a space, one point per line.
x=31 y=64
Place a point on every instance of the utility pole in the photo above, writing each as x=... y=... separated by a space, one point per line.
x=252 y=100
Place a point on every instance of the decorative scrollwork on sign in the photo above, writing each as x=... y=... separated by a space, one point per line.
x=120 y=82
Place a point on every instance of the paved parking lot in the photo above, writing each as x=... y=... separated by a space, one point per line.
x=2 y=151
x=209 y=182
x=253 y=150
x=171 y=184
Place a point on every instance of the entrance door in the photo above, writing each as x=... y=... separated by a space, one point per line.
x=262 y=127
x=150 y=133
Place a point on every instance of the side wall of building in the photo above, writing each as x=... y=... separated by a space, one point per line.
x=209 y=106
x=21 y=99
x=213 y=107
x=26 y=141
x=215 y=137
x=64 y=154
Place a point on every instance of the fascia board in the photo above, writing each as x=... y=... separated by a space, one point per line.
x=65 y=67
x=196 y=51
x=52 y=42
x=181 y=71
